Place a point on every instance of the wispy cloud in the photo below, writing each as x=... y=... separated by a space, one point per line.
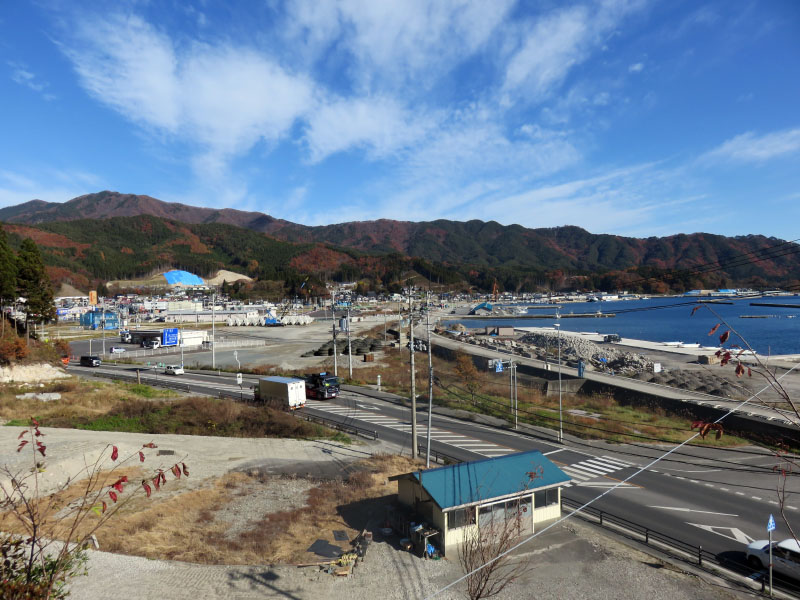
x=752 y=148
x=51 y=185
x=636 y=68
x=21 y=74
x=223 y=98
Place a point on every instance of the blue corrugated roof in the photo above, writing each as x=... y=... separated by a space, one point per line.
x=482 y=305
x=471 y=482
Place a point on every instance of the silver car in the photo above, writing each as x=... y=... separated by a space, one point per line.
x=785 y=556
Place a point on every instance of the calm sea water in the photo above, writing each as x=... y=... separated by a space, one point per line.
x=670 y=320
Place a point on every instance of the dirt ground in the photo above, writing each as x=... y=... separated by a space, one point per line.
x=236 y=483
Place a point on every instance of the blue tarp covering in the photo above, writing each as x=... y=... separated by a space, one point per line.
x=182 y=278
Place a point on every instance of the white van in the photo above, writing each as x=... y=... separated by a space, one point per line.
x=152 y=344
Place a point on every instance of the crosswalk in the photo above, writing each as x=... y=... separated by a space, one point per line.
x=438 y=434
x=585 y=471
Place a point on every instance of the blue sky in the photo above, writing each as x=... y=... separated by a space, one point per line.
x=625 y=116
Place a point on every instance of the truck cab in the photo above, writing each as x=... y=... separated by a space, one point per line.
x=322 y=386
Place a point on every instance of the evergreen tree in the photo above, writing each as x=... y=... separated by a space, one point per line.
x=34 y=284
x=8 y=276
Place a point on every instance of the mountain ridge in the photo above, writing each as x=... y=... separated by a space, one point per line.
x=475 y=250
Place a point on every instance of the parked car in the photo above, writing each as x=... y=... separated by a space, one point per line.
x=173 y=370
x=785 y=556
x=117 y=350
x=90 y=361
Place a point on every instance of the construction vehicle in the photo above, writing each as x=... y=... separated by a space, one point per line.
x=286 y=393
x=322 y=386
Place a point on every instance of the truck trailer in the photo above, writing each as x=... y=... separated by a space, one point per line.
x=281 y=392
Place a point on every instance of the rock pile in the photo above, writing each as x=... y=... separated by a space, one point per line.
x=574 y=348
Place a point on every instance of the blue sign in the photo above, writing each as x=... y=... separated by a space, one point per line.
x=498 y=366
x=771 y=523
x=169 y=337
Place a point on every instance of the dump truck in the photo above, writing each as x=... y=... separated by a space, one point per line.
x=322 y=386
x=286 y=393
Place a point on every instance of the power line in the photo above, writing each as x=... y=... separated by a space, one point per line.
x=602 y=495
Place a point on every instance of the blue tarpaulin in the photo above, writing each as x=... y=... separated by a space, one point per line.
x=182 y=278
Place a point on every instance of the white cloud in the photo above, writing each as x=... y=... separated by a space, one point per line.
x=51 y=185
x=380 y=125
x=394 y=44
x=751 y=148
x=21 y=74
x=552 y=45
x=636 y=68
x=223 y=98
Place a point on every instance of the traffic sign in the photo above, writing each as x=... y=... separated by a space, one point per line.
x=771 y=523
x=498 y=366
x=239 y=379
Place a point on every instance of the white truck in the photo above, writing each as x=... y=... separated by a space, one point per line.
x=281 y=392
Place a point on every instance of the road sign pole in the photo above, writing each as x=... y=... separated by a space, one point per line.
x=770 y=563
x=770 y=529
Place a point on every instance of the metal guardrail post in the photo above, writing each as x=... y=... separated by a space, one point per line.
x=700 y=556
x=601 y=518
x=646 y=535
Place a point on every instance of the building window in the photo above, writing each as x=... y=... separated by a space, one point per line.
x=545 y=498
x=461 y=517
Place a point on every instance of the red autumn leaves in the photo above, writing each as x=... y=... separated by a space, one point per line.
x=725 y=356
x=704 y=428
x=116 y=488
x=40 y=447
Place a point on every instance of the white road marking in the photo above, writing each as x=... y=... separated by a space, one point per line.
x=705 y=512
x=607 y=485
x=554 y=451
x=737 y=535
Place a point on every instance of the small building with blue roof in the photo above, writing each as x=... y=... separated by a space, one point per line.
x=457 y=499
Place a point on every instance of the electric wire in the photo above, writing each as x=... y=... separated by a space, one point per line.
x=576 y=432
x=603 y=494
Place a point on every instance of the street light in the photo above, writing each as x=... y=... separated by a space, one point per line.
x=560 y=411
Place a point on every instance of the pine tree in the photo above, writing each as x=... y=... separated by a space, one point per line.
x=8 y=276
x=34 y=284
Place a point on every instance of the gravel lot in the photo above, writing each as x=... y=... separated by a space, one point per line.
x=571 y=560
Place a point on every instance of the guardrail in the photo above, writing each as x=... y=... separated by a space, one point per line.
x=664 y=542
x=345 y=427
x=436 y=456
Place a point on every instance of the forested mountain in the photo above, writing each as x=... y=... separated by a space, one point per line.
x=107 y=236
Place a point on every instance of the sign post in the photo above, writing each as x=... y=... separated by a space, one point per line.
x=770 y=529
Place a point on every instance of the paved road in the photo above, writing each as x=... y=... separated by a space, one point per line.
x=716 y=498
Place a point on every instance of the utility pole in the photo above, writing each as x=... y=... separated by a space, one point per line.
x=414 y=449
x=560 y=408
x=335 y=349
x=103 y=322
x=349 y=347
x=213 y=332
x=430 y=380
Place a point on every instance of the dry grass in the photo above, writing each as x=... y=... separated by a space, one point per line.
x=188 y=524
x=79 y=400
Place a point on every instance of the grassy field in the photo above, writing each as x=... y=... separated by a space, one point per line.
x=138 y=408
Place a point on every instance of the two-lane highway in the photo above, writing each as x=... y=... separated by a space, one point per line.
x=716 y=498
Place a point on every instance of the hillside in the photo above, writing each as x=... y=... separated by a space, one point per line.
x=129 y=236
